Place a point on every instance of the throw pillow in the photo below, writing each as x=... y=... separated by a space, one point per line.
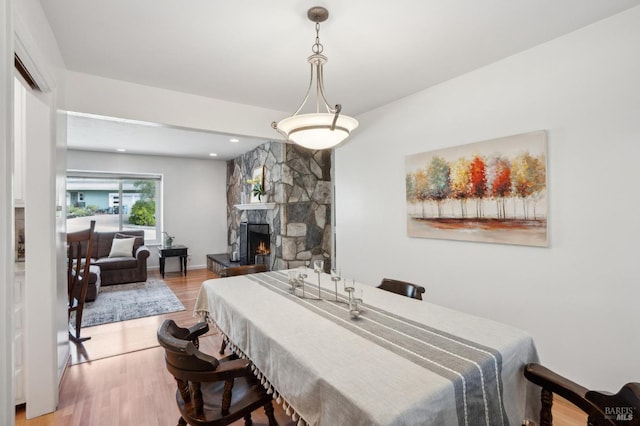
x=122 y=247
x=139 y=240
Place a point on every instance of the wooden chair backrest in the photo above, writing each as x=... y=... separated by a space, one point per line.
x=243 y=270
x=79 y=246
x=182 y=356
x=603 y=409
x=402 y=287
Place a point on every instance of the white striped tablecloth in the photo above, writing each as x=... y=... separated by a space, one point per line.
x=402 y=362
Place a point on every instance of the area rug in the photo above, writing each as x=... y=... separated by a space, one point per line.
x=129 y=301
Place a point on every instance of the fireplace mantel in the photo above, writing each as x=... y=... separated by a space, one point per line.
x=255 y=206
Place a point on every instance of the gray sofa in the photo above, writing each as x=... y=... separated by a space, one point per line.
x=107 y=270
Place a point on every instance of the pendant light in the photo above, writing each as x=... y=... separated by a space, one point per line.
x=318 y=130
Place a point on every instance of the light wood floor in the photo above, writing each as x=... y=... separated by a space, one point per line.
x=119 y=377
x=128 y=336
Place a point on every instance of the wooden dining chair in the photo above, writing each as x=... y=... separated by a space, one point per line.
x=240 y=270
x=79 y=245
x=243 y=270
x=603 y=409
x=210 y=391
x=402 y=287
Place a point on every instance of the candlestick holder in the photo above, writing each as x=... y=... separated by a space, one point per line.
x=354 y=299
x=335 y=277
x=293 y=282
x=318 y=267
x=302 y=275
x=354 y=310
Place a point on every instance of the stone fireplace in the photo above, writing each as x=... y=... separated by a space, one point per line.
x=296 y=205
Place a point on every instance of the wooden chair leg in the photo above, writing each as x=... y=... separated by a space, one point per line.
x=546 y=399
x=79 y=320
x=76 y=337
x=247 y=420
x=223 y=346
x=268 y=410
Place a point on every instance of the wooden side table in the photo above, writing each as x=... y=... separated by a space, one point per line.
x=173 y=251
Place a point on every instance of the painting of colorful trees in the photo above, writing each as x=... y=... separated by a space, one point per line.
x=490 y=191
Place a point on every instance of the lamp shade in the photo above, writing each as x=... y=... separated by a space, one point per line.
x=314 y=131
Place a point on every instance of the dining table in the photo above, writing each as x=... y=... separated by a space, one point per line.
x=400 y=361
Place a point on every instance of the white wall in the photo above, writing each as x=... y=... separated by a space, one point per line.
x=578 y=298
x=40 y=291
x=195 y=204
x=46 y=335
x=7 y=391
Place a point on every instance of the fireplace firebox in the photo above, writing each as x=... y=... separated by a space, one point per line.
x=255 y=243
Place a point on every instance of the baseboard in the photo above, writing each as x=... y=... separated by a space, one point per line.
x=189 y=267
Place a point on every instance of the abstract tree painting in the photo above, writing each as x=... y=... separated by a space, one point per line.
x=492 y=191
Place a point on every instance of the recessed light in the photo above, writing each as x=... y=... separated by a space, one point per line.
x=121 y=150
x=234 y=140
x=213 y=154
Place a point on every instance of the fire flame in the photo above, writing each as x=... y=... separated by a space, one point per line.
x=262 y=248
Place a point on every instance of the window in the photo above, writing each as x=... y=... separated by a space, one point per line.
x=117 y=202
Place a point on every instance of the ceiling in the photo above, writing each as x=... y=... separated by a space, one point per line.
x=106 y=134
x=254 y=52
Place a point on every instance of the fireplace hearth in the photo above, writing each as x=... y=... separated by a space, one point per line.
x=255 y=243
